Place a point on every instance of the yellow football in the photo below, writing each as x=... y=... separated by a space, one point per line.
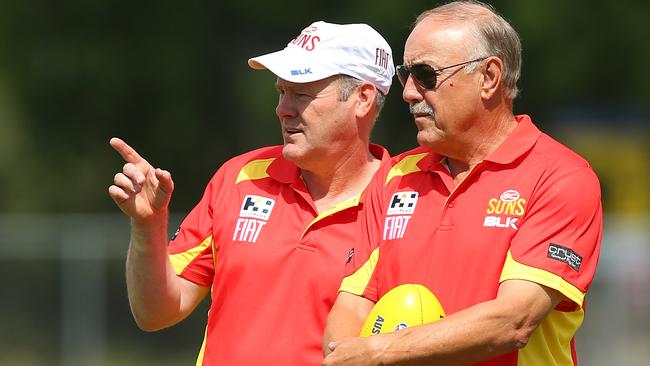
x=403 y=306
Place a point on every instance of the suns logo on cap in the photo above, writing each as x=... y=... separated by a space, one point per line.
x=306 y=40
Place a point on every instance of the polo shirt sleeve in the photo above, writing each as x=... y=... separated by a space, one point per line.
x=558 y=242
x=191 y=249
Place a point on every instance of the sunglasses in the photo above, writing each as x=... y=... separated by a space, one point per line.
x=424 y=74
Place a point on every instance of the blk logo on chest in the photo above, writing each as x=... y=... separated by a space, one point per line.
x=253 y=216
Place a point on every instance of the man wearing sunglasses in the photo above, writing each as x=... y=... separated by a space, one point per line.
x=270 y=238
x=501 y=222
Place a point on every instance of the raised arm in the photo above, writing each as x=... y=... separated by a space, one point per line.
x=157 y=296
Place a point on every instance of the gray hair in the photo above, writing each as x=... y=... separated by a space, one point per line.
x=347 y=84
x=493 y=34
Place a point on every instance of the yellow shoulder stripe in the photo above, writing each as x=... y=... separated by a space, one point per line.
x=513 y=270
x=407 y=165
x=180 y=260
x=357 y=282
x=255 y=169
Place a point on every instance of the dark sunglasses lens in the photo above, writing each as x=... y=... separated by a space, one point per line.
x=402 y=74
x=425 y=75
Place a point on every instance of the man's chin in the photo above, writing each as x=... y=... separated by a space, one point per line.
x=426 y=140
x=291 y=152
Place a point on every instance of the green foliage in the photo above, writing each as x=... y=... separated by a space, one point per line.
x=171 y=78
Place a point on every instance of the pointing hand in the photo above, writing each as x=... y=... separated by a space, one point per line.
x=141 y=191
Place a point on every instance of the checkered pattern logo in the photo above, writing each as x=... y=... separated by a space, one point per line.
x=403 y=203
x=256 y=206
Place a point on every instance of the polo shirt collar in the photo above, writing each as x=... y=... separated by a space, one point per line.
x=380 y=153
x=283 y=170
x=520 y=140
x=428 y=162
x=286 y=172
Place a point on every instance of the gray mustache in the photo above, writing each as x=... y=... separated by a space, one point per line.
x=420 y=107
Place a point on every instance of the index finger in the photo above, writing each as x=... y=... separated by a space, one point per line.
x=126 y=151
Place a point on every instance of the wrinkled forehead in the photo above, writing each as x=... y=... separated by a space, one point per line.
x=437 y=41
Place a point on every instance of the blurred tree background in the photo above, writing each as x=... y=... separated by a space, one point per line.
x=171 y=79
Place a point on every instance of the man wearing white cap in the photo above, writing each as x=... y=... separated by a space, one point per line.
x=271 y=236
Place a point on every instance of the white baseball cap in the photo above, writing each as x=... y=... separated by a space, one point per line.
x=325 y=49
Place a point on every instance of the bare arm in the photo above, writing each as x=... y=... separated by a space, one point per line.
x=346 y=318
x=480 y=332
x=158 y=297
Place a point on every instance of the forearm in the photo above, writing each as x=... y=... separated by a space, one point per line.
x=153 y=293
x=337 y=330
x=345 y=319
x=481 y=332
x=462 y=339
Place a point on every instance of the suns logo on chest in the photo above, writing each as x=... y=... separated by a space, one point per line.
x=505 y=211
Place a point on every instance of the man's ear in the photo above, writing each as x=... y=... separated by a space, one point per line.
x=492 y=78
x=367 y=94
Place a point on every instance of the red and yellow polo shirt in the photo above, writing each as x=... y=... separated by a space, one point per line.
x=274 y=264
x=531 y=210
